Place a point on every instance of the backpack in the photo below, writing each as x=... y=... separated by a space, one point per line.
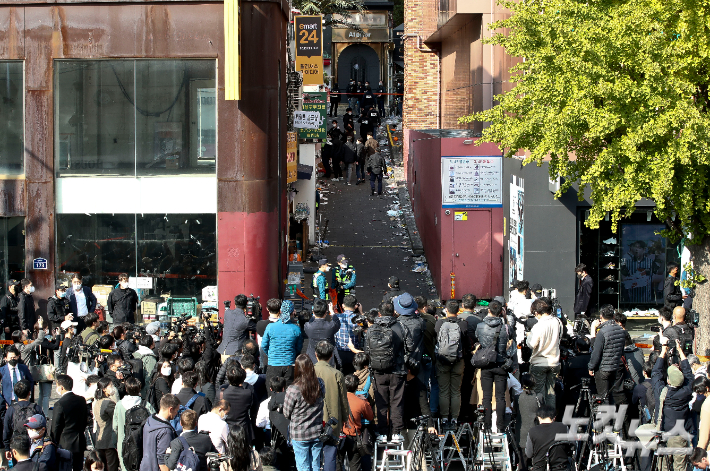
x=152 y=396
x=176 y=421
x=62 y=457
x=449 y=341
x=132 y=454
x=188 y=460
x=685 y=335
x=380 y=343
x=21 y=416
x=484 y=357
x=137 y=369
x=646 y=411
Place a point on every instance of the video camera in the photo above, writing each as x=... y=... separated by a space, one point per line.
x=215 y=459
x=360 y=325
x=253 y=310
x=328 y=434
x=126 y=370
x=180 y=323
x=693 y=318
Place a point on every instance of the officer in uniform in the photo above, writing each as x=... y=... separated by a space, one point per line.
x=320 y=280
x=343 y=277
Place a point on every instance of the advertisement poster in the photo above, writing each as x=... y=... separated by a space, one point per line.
x=309 y=48
x=643 y=263
x=471 y=182
x=291 y=157
x=517 y=230
x=315 y=101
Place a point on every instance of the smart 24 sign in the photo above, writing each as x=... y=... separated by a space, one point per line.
x=309 y=48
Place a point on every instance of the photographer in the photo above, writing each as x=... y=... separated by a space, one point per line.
x=118 y=372
x=281 y=343
x=236 y=328
x=682 y=331
x=575 y=371
x=674 y=393
x=89 y=335
x=665 y=318
x=322 y=327
x=541 y=437
x=605 y=364
x=122 y=301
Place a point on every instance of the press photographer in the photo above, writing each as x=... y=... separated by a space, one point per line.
x=605 y=363
x=237 y=327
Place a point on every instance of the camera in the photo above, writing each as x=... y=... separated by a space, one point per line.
x=215 y=459
x=480 y=414
x=126 y=370
x=328 y=435
x=253 y=310
x=180 y=323
x=360 y=325
x=693 y=318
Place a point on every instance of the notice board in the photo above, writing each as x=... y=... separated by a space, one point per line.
x=472 y=182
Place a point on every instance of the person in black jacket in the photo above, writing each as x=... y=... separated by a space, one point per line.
x=26 y=307
x=69 y=420
x=394 y=291
x=8 y=308
x=200 y=442
x=349 y=158
x=489 y=332
x=380 y=93
x=541 y=437
x=58 y=307
x=23 y=391
x=241 y=399
x=584 y=293
x=672 y=295
x=376 y=167
x=334 y=96
x=352 y=94
x=320 y=327
x=605 y=363
x=122 y=301
x=202 y=405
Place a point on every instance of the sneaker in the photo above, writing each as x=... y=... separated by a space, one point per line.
x=444 y=424
x=609 y=278
x=349 y=184
x=333 y=179
x=382 y=439
x=454 y=424
x=397 y=438
x=610 y=240
x=609 y=266
x=609 y=254
x=608 y=291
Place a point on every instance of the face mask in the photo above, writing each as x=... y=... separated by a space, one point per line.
x=579 y=275
x=32 y=289
x=62 y=294
x=327 y=269
x=77 y=287
x=34 y=434
x=166 y=370
x=13 y=362
x=124 y=285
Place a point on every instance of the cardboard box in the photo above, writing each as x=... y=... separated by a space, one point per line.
x=149 y=308
x=172 y=163
x=101 y=292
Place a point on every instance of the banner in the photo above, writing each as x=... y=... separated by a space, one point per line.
x=291 y=157
x=517 y=230
x=315 y=101
x=309 y=48
x=307 y=120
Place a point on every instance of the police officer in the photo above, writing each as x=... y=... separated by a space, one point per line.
x=343 y=277
x=320 y=280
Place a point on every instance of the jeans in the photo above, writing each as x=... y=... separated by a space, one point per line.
x=381 y=107
x=499 y=377
x=450 y=377
x=350 y=173
x=377 y=177
x=434 y=400
x=360 y=171
x=426 y=375
x=354 y=105
x=45 y=391
x=389 y=394
x=606 y=380
x=307 y=455
x=545 y=377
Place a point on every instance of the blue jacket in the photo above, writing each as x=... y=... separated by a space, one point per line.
x=157 y=435
x=90 y=300
x=235 y=332
x=282 y=343
x=7 y=391
x=320 y=285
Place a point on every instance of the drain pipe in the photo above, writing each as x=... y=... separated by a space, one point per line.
x=419 y=42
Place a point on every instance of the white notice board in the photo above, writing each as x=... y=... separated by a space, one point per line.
x=472 y=182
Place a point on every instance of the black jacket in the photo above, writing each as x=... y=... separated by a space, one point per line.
x=8 y=430
x=349 y=153
x=243 y=407
x=202 y=405
x=675 y=406
x=321 y=329
x=375 y=163
x=57 y=309
x=672 y=295
x=581 y=301
x=126 y=348
x=122 y=304
x=398 y=343
x=351 y=91
x=538 y=443
x=486 y=333
x=391 y=294
x=348 y=119
x=26 y=311
x=413 y=329
x=200 y=442
x=69 y=420
x=8 y=310
x=608 y=348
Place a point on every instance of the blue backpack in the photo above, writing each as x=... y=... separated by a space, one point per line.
x=176 y=421
x=188 y=460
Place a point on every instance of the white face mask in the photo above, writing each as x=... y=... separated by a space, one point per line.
x=165 y=371
x=124 y=285
x=34 y=434
x=32 y=289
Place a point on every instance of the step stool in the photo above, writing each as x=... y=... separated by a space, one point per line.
x=378 y=456
x=450 y=449
x=493 y=454
x=396 y=460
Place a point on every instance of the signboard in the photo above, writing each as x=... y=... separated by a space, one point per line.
x=232 y=73
x=461 y=216
x=39 y=264
x=372 y=19
x=472 y=182
x=373 y=35
x=515 y=241
x=291 y=158
x=140 y=282
x=309 y=48
x=307 y=120
x=315 y=101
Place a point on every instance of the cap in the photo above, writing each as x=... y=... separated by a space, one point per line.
x=393 y=281
x=66 y=324
x=342 y=258
x=152 y=328
x=58 y=286
x=322 y=261
x=500 y=299
x=675 y=376
x=536 y=287
x=35 y=422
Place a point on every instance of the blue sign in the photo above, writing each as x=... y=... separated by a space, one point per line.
x=39 y=264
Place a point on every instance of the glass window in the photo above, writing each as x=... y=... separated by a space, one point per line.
x=12 y=118
x=135 y=117
x=178 y=250
x=12 y=250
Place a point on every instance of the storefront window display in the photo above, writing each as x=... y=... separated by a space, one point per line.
x=12 y=250
x=12 y=117
x=135 y=117
x=177 y=250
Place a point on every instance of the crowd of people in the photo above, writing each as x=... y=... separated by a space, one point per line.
x=304 y=389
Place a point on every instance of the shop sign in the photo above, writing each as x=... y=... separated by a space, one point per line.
x=472 y=182
x=309 y=48
x=307 y=120
x=39 y=264
x=372 y=35
x=140 y=282
x=291 y=157
x=362 y=19
x=315 y=101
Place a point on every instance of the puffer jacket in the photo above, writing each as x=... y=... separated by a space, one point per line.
x=398 y=343
x=413 y=328
x=486 y=333
x=282 y=343
x=608 y=347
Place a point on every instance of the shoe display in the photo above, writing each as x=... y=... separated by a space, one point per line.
x=609 y=278
x=609 y=266
x=609 y=254
x=609 y=291
x=397 y=438
x=610 y=240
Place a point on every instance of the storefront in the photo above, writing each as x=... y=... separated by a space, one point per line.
x=120 y=154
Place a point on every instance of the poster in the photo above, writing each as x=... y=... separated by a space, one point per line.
x=471 y=182
x=309 y=48
x=315 y=101
x=643 y=263
x=516 y=244
x=291 y=157
x=307 y=120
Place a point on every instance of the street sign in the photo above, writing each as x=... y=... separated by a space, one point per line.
x=309 y=48
x=315 y=101
x=291 y=158
x=39 y=264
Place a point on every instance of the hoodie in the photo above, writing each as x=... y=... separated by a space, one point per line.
x=119 y=419
x=157 y=435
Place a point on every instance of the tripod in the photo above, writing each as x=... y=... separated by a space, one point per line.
x=585 y=394
x=491 y=450
x=424 y=446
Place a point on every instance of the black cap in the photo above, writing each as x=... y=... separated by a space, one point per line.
x=393 y=281
x=536 y=287
x=58 y=286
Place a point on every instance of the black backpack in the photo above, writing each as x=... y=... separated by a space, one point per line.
x=380 y=342
x=21 y=416
x=686 y=336
x=136 y=418
x=153 y=396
